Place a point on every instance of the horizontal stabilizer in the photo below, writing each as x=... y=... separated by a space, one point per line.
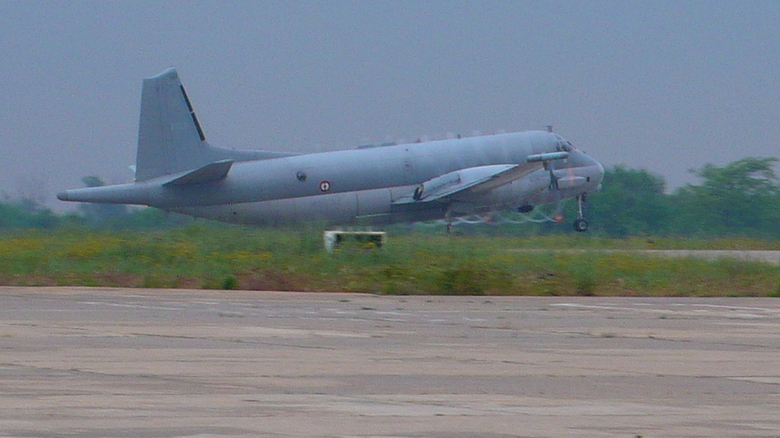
x=206 y=174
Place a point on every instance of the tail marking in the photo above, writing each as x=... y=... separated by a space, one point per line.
x=192 y=113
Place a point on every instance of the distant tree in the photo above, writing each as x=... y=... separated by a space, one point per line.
x=26 y=209
x=632 y=202
x=31 y=193
x=18 y=216
x=741 y=198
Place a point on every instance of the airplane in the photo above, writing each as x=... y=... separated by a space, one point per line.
x=178 y=170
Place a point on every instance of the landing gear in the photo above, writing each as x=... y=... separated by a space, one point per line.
x=580 y=225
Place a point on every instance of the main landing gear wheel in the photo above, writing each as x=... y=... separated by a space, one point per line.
x=580 y=225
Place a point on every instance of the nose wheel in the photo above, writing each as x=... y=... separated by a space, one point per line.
x=580 y=225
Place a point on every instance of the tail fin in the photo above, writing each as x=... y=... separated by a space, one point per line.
x=170 y=138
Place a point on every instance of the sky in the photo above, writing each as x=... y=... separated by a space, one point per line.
x=665 y=86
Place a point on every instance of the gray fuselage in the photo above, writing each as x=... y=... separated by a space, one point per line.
x=363 y=184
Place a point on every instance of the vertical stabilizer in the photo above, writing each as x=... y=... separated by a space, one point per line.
x=170 y=138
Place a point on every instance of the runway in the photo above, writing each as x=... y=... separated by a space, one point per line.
x=92 y=362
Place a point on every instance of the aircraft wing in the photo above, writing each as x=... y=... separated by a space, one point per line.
x=465 y=183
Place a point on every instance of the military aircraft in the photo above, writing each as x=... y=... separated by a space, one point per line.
x=178 y=170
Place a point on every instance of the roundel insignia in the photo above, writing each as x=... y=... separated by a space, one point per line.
x=325 y=186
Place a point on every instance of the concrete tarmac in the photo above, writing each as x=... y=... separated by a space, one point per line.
x=92 y=362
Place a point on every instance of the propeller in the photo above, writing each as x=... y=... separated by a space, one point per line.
x=558 y=215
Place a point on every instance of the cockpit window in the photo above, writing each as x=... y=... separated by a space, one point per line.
x=563 y=144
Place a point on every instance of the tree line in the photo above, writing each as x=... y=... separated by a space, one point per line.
x=740 y=199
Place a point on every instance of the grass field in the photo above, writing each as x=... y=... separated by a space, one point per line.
x=413 y=262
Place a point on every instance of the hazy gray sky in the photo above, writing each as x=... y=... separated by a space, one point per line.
x=665 y=86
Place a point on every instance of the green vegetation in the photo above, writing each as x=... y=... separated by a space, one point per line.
x=739 y=199
x=202 y=255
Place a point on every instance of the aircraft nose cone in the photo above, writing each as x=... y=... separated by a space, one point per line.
x=601 y=171
x=63 y=196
